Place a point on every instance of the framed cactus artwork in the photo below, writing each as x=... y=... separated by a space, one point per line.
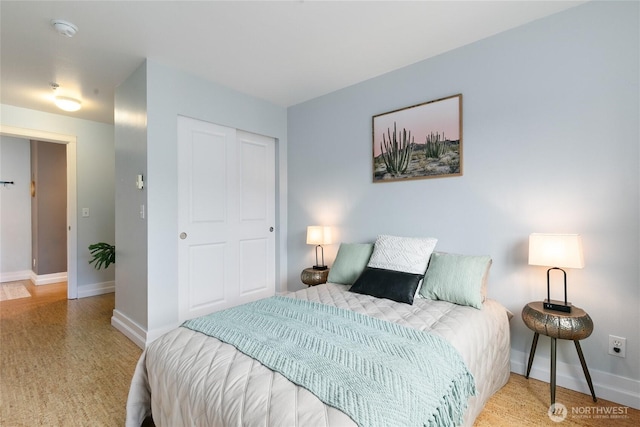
x=418 y=142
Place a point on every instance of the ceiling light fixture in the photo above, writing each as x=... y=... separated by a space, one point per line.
x=67 y=104
x=64 y=28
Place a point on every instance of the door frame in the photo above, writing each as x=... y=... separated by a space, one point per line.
x=72 y=202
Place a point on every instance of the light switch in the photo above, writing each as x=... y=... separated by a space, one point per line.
x=85 y=212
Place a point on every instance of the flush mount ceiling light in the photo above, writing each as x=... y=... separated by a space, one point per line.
x=64 y=28
x=66 y=103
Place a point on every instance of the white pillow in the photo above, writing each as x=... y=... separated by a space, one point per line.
x=407 y=254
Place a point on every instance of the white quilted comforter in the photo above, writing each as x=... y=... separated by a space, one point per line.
x=186 y=378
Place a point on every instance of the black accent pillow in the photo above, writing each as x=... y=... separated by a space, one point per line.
x=381 y=283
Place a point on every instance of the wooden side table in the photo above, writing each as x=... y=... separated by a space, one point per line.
x=313 y=277
x=574 y=326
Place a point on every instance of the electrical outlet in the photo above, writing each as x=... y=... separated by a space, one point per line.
x=617 y=346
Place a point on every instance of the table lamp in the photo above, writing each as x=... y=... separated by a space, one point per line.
x=557 y=251
x=319 y=235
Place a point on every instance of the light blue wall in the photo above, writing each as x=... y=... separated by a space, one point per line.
x=168 y=94
x=15 y=206
x=130 y=117
x=551 y=138
x=172 y=93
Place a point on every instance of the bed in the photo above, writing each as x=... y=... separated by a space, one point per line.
x=189 y=378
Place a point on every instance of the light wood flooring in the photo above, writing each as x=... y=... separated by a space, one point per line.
x=61 y=361
x=63 y=364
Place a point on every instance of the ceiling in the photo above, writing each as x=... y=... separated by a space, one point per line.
x=285 y=52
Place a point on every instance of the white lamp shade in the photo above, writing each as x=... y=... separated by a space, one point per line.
x=318 y=235
x=556 y=250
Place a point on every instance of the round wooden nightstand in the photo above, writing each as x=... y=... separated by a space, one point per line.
x=313 y=277
x=574 y=326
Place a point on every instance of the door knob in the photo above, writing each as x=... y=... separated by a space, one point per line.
x=183 y=235
x=271 y=229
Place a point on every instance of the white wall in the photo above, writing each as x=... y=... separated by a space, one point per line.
x=15 y=208
x=94 y=181
x=170 y=93
x=551 y=144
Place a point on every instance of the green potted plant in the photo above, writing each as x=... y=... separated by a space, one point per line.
x=103 y=254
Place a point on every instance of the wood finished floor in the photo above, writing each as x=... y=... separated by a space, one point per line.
x=63 y=364
x=61 y=361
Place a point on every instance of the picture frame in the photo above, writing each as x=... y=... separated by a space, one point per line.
x=418 y=142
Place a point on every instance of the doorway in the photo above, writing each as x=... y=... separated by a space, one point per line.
x=48 y=211
x=72 y=234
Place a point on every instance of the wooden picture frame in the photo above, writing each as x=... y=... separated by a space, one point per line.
x=418 y=142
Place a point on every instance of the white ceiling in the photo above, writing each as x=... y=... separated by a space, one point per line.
x=285 y=52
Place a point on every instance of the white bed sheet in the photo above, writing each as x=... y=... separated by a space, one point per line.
x=188 y=378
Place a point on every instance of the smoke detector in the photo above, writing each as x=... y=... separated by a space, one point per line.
x=64 y=28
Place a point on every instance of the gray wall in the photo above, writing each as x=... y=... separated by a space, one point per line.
x=170 y=93
x=49 y=207
x=15 y=208
x=131 y=230
x=551 y=138
x=94 y=180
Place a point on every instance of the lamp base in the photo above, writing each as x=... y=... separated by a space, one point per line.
x=320 y=267
x=556 y=306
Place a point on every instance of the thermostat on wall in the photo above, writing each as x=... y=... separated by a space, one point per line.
x=139 y=182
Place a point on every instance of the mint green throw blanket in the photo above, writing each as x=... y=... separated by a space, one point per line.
x=377 y=372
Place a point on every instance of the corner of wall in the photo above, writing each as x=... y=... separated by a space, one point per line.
x=607 y=386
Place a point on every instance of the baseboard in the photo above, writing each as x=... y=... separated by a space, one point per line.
x=96 y=289
x=47 y=279
x=14 y=276
x=135 y=332
x=622 y=390
x=129 y=328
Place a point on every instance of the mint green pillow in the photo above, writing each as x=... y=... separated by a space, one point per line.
x=350 y=261
x=460 y=279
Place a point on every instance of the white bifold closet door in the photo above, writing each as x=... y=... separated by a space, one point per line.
x=226 y=217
